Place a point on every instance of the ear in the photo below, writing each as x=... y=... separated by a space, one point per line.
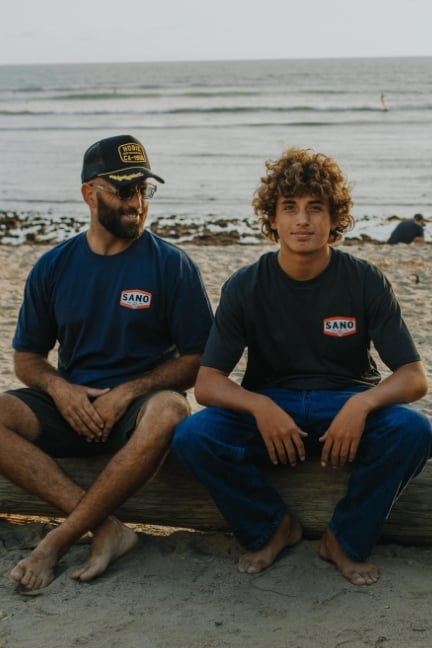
x=89 y=195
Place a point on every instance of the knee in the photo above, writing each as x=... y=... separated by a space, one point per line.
x=17 y=417
x=166 y=407
x=158 y=417
x=424 y=433
x=415 y=430
x=9 y=405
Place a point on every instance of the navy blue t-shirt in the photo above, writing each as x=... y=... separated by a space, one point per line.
x=406 y=232
x=313 y=334
x=114 y=316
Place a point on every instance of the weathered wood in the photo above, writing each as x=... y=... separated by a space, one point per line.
x=174 y=498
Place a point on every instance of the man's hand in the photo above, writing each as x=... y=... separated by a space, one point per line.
x=111 y=405
x=341 y=441
x=74 y=403
x=342 y=438
x=282 y=437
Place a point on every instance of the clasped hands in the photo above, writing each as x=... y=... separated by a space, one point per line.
x=89 y=411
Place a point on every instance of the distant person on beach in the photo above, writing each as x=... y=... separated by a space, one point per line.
x=383 y=103
x=131 y=317
x=307 y=314
x=409 y=231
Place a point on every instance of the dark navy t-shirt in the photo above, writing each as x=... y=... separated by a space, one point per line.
x=308 y=334
x=114 y=316
x=406 y=232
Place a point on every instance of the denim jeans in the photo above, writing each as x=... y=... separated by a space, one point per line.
x=224 y=449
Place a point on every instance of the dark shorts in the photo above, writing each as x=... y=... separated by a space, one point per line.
x=59 y=439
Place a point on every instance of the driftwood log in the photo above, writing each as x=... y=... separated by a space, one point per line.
x=176 y=499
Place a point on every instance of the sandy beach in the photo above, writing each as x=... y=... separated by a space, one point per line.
x=179 y=588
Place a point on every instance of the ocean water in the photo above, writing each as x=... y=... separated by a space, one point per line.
x=209 y=127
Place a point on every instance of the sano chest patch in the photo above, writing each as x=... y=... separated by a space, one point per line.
x=136 y=299
x=340 y=326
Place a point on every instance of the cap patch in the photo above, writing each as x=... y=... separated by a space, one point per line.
x=132 y=152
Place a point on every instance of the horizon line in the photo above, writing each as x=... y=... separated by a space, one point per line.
x=220 y=60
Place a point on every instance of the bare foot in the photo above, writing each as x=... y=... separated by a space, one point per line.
x=37 y=570
x=288 y=533
x=111 y=540
x=357 y=572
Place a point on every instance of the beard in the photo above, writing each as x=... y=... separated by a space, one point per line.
x=111 y=220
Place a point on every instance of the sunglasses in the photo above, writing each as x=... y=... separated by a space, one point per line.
x=143 y=191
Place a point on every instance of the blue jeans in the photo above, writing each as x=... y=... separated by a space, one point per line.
x=223 y=449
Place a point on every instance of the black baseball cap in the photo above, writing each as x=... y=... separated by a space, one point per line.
x=120 y=160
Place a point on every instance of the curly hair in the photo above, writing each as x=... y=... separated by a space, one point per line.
x=301 y=172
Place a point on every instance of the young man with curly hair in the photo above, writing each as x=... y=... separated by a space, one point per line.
x=307 y=314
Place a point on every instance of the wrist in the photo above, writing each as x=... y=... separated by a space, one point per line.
x=363 y=401
x=52 y=383
x=128 y=391
x=259 y=404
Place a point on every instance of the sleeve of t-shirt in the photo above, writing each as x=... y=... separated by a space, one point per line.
x=36 y=329
x=387 y=328
x=226 y=341
x=190 y=314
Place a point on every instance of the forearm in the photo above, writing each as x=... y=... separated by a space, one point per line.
x=34 y=370
x=214 y=388
x=178 y=374
x=405 y=385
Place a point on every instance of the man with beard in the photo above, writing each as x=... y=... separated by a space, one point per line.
x=131 y=316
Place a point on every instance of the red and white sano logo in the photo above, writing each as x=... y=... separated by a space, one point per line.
x=340 y=326
x=136 y=299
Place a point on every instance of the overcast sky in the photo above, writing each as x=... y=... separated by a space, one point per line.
x=55 y=31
